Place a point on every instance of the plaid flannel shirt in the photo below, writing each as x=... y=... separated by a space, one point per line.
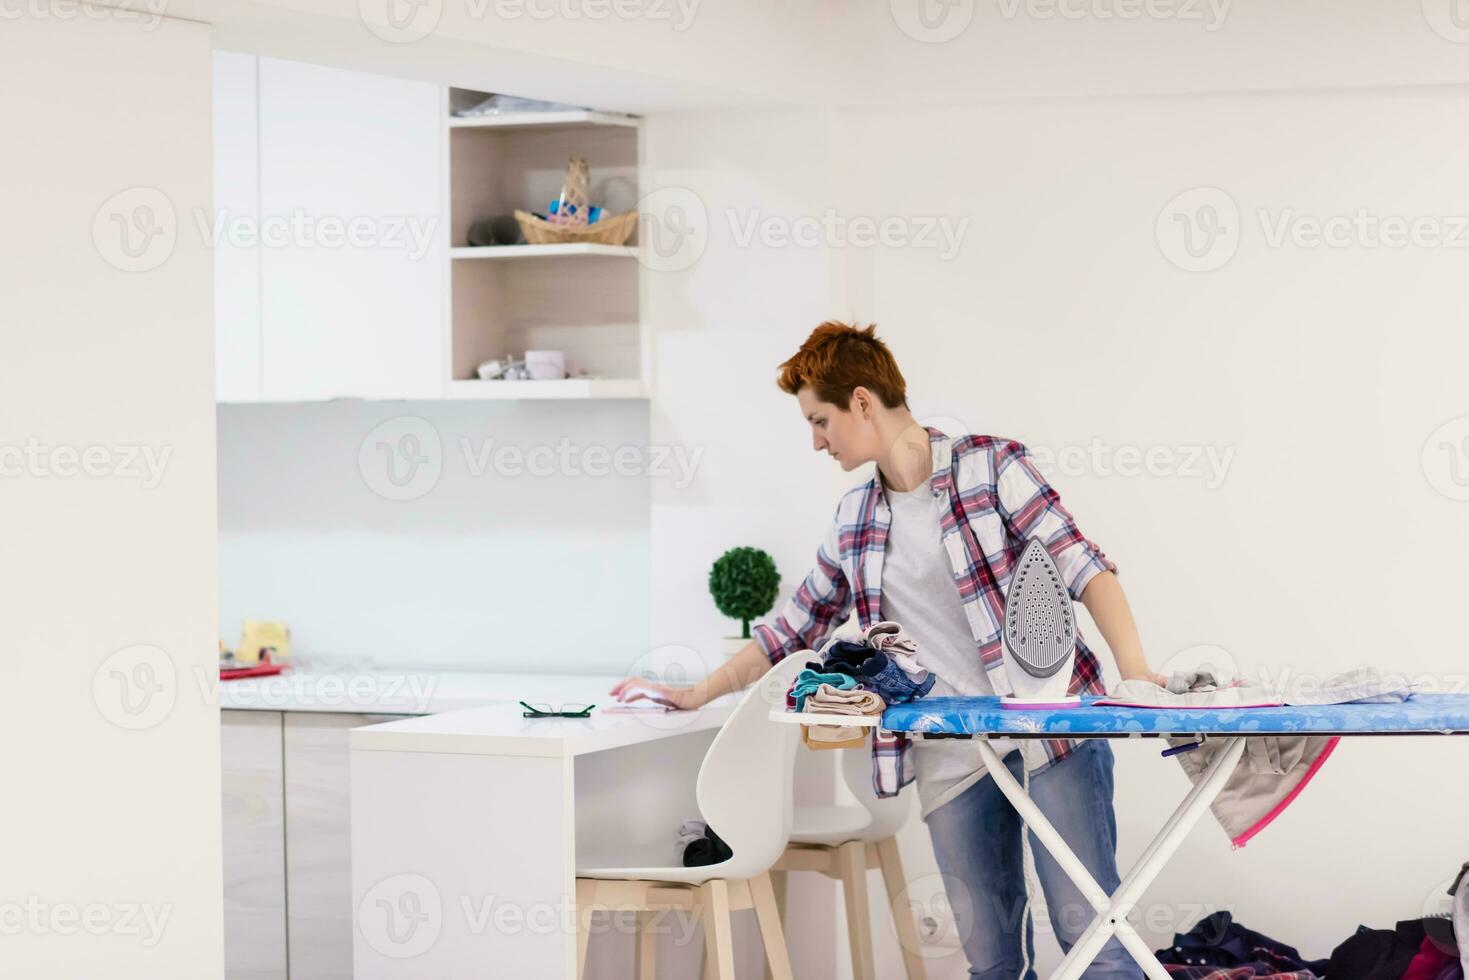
x=994 y=501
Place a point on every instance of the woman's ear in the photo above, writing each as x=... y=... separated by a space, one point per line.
x=862 y=402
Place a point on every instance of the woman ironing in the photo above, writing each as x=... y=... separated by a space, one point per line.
x=890 y=554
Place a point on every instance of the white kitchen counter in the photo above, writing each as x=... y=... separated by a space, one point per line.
x=407 y=692
x=502 y=729
x=486 y=810
x=288 y=789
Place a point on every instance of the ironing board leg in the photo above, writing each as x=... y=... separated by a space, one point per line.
x=1112 y=909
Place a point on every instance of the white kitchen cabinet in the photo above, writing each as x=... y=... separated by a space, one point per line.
x=319 y=851
x=332 y=231
x=353 y=249
x=236 y=203
x=253 y=813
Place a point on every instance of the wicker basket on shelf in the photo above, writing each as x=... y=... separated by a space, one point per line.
x=573 y=208
x=614 y=230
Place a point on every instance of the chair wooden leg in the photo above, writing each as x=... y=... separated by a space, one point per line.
x=772 y=933
x=896 y=885
x=718 y=929
x=583 y=927
x=778 y=885
x=706 y=972
x=646 y=950
x=852 y=863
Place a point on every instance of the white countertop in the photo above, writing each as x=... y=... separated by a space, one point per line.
x=408 y=692
x=501 y=729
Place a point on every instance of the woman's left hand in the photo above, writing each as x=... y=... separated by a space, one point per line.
x=1153 y=678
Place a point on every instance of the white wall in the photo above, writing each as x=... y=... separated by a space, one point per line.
x=111 y=844
x=648 y=55
x=722 y=325
x=1314 y=375
x=471 y=561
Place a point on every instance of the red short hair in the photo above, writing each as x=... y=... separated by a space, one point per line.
x=839 y=357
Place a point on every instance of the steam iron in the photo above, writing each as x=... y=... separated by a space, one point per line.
x=1040 y=634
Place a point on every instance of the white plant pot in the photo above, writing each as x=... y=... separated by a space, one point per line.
x=731 y=645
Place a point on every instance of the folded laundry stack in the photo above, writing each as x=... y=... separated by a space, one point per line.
x=858 y=677
x=810 y=680
x=830 y=700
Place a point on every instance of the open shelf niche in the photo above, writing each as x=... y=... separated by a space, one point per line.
x=583 y=299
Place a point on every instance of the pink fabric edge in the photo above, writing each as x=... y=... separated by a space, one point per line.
x=1244 y=838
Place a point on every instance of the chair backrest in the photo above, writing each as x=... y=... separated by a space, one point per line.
x=745 y=783
x=889 y=813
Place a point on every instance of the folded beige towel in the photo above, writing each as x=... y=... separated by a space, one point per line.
x=830 y=700
x=834 y=701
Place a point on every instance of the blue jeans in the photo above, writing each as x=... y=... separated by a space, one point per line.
x=976 y=841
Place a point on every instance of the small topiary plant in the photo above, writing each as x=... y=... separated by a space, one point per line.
x=743 y=583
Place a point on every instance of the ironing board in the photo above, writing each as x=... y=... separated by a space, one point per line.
x=982 y=719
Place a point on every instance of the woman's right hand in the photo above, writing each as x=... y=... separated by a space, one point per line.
x=631 y=689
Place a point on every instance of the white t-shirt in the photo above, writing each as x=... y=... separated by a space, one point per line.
x=919 y=594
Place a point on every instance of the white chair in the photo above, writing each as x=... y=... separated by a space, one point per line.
x=744 y=792
x=843 y=842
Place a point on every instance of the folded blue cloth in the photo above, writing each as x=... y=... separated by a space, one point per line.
x=808 y=680
x=894 y=686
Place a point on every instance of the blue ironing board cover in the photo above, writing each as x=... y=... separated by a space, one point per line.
x=1422 y=713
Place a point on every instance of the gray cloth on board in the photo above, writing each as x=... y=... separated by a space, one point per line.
x=1272 y=771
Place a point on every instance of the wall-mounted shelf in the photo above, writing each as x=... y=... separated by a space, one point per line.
x=539 y=251
x=567 y=388
x=581 y=298
x=543 y=120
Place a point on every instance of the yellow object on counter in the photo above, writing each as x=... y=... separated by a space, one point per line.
x=261 y=635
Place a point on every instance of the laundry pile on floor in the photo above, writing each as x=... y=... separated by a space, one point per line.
x=858 y=677
x=1434 y=947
